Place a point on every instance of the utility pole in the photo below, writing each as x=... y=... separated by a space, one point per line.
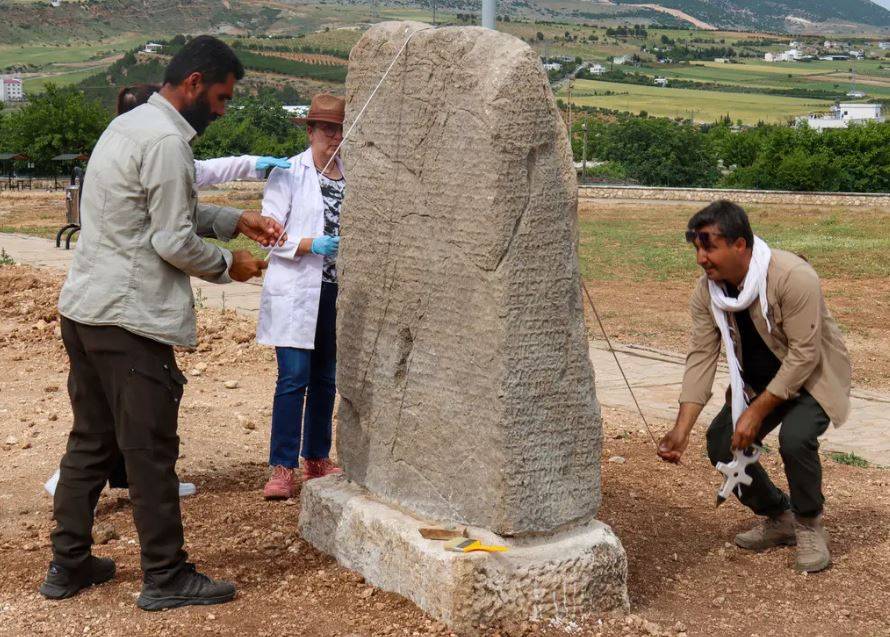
x=434 y=12
x=489 y=9
x=584 y=153
x=569 y=106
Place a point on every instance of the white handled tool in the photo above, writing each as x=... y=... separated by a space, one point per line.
x=736 y=471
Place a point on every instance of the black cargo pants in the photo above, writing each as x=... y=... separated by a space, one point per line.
x=125 y=392
x=803 y=420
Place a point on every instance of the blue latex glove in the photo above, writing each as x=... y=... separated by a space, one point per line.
x=264 y=163
x=326 y=246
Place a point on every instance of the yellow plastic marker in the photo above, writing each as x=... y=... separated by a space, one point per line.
x=464 y=545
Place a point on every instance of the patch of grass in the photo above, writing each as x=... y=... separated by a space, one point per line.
x=32 y=231
x=5 y=258
x=645 y=243
x=848 y=458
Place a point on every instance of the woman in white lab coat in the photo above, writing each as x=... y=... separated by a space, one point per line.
x=298 y=303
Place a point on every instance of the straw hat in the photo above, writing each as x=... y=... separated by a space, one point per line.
x=325 y=108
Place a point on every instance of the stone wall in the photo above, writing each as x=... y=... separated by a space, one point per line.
x=739 y=196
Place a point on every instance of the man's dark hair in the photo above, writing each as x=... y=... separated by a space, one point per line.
x=730 y=218
x=210 y=57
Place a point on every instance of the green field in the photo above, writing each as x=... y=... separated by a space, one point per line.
x=34 y=85
x=41 y=55
x=822 y=76
x=702 y=106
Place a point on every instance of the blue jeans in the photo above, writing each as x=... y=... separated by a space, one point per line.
x=306 y=378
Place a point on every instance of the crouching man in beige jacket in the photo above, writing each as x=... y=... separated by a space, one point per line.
x=788 y=363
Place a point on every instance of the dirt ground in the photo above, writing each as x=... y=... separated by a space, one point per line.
x=684 y=578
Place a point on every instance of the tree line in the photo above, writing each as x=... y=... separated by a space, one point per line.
x=664 y=152
x=64 y=120
x=639 y=149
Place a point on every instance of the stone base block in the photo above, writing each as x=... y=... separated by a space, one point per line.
x=565 y=575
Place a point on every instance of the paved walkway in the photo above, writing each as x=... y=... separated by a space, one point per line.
x=654 y=375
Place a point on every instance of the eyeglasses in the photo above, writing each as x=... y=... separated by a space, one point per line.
x=704 y=238
x=329 y=130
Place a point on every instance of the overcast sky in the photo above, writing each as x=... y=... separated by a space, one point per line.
x=883 y=3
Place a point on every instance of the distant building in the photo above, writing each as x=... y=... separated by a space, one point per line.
x=55 y=3
x=884 y=46
x=153 y=47
x=661 y=81
x=11 y=89
x=834 y=57
x=597 y=69
x=856 y=54
x=845 y=114
x=552 y=66
x=621 y=59
x=856 y=95
x=791 y=55
x=299 y=110
x=721 y=60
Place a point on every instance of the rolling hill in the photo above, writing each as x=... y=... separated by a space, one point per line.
x=781 y=15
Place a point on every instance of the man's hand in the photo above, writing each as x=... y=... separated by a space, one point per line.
x=673 y=445
x=245 y=266
x=676 y=440
x=264 y=230
x=746 y=429
x=748 y=426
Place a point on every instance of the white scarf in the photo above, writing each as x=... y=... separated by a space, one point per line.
x=753 y=287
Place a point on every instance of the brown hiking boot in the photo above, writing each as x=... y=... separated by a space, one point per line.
x=812 y=544
x=773 y=531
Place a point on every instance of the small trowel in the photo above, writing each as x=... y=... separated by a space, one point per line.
x=466 y=545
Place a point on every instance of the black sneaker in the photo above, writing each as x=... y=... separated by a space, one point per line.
x=188 y=588
x=64 y=582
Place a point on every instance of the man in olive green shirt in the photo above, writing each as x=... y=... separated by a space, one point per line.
x=126 y=302
x=794 y=370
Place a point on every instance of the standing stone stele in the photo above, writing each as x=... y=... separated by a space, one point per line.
x=466 y=390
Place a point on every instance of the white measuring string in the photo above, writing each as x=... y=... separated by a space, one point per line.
x=362 y=111
x=371 y=97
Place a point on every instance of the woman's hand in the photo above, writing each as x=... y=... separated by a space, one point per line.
x=264 y=163
x=326 y=246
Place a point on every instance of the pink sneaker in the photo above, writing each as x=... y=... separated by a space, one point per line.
x=319 y=468
x=281 y=485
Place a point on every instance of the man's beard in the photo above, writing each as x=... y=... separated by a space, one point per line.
x=199 y=114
